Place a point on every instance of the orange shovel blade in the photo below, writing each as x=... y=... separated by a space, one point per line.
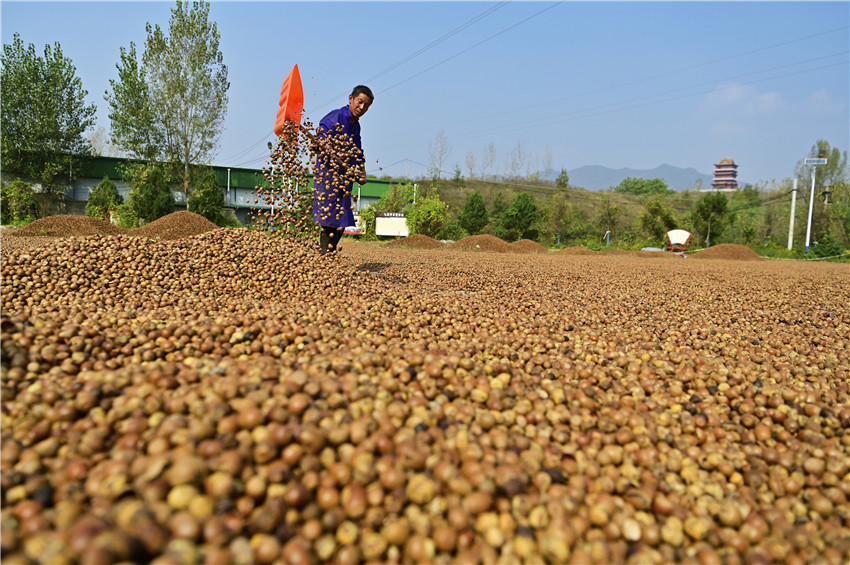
x=291 y=101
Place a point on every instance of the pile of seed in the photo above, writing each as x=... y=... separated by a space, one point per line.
x=234 y=397
x=176 y=225
x=172 y=226
x=65 y=225
x=528 y=246
x=416 y=241
x=728 y=251
x=483 y=242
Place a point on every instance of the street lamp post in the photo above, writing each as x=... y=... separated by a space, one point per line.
x=813 y=162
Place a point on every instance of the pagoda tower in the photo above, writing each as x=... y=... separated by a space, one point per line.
x=725 y=175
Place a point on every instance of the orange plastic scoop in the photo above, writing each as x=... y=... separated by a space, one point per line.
x=291 y=101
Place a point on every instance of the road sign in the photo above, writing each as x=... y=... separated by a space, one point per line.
x=815 y=161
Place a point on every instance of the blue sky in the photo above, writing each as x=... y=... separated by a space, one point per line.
x=618 y=84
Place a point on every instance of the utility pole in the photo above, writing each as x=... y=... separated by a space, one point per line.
x=791 y=223
x=815 y=163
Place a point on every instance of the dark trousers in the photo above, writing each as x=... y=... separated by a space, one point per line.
x=329 y=239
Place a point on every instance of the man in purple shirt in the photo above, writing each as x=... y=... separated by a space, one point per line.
x=339 y=163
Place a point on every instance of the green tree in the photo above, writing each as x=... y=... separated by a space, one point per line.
x=500 y=204
x=18 y=205
x=367 y=221
x=452 y=230
x=642 y=187
x=207 y=199
x=473 y=218
x=521 y=219
x=656 y=218
x=396 y=199
x=103 y=198
x=184 y=97
x=832 y=218
x=563 y=180
x=150 y=195
x=134 y=125
x=43 y=116
x=710 y=215
x=560 y=215
x=608 y=216
x=427 y=216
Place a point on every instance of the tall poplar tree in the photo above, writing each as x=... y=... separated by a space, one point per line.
x=179 y=91
x=134 y=126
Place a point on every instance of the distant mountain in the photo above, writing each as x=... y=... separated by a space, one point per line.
x=597 y=177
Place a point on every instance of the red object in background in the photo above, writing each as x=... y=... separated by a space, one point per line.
x=678 y=240
x=291 y=101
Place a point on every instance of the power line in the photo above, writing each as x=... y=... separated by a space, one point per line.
x=418 y=52
x=459 y=53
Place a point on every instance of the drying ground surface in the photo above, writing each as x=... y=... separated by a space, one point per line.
x=231 y=397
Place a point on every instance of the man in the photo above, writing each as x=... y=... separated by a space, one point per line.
x=339 y=163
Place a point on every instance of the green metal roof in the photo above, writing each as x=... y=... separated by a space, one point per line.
x=100 y=167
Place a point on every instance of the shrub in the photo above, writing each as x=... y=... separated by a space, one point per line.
x=103 y=198
x=427 y=216
x=17 y=203
x=207 y=199
x=151 y=196
x=827 y=247
x=453 y=231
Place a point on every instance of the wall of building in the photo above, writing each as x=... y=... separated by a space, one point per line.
x=237 y=184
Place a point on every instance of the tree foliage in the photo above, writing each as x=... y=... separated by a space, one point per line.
x=563 y=180
x=172 y=106
x=103 y=198
x=827 y=219
x=151 y=196
x=134 y=124
x=18 y=205
x=396 y=199
x=608 y=215
x=207 y=199
x=473 y=218
x=44 y=115
x=710 y=215
x=642 y=187
x=521 y=218
x=427 y=216
x=656 y=218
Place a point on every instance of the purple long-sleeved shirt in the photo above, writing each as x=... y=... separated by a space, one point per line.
x=335 y=198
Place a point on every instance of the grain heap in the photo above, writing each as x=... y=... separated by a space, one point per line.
x=483 y=242
x=234 y=397
x=728 y=251
x=528 y=246
x=416 y=241
x=45 y=230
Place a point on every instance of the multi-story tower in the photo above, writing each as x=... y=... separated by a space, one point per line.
x=725 y=175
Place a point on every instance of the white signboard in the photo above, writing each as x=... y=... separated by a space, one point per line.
x=815 y=161
x=391 y=226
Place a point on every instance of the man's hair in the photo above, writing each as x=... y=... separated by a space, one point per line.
x=360 y=89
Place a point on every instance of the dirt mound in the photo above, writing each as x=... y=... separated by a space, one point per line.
x=66 y=225
x=577 y=250
x=175 y=226
x=528 y=246
x=657 y=255
x=416 y=241
x=728 y=251
x=483 y=242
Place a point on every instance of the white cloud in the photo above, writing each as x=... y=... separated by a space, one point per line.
x=743 y=101
x=821 y=102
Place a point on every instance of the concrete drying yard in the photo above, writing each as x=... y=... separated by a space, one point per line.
x=212 y=395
